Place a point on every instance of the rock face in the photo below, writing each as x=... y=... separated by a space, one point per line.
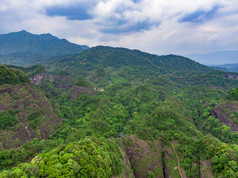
x=36 y=79
x=64 y=82
x=34 y=115
x=206 y=169
x=224 y=112
x=143 y=159
x=152 y=158
x=77 y=91
x=232 y=76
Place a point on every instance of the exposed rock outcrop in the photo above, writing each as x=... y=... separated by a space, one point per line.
x=35 y=116
x=143 y=159
x=232 y=76
x=223 y=112
x=36 y=79
x=77 y=91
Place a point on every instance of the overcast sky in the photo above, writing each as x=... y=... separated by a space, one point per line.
x=155 y=26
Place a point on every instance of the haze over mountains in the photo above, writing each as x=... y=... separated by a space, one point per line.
x=24 y=48
x=216 y=58
x=227 y=67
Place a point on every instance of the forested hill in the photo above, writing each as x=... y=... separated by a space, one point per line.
x=24 y=48
x=103 y=65
x=104 y=56
x=115 y=63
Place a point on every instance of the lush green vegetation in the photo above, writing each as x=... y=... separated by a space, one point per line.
x=82 y=82
x=25 y=49
x=95 y=115
x=30 y=71
x=8 y=118
x=167 y=101
x=233 y=94
x=14 y=156
x=88 y=157
x=12 y=76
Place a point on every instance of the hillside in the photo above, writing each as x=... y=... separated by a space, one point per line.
x=25 y=113
x=103 y=64
x=103 y=56
x=24 y=48
x=106 y=65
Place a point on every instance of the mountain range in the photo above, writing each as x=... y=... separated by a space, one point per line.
x=24 y=48
x=115 y=112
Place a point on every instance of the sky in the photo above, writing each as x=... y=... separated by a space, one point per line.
x=154 y=26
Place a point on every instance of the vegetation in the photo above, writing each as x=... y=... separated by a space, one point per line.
x=12 y=76
x=30 y=71
x=233 y=94
x=82 y=82
x=14 y=156
x=25 y=49
x=8 y=118
x=168 y=106
x=94 y=158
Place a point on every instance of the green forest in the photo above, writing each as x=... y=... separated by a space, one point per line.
x=115 y=112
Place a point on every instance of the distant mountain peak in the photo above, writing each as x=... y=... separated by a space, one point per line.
x=42 y=46
x=23 y=31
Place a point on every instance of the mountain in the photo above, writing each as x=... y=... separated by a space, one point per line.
x=216 y=58
x=24 y=48
x=103 y=64
x=227 y=67
x=120 y=113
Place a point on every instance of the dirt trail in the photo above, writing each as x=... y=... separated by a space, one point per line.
x=177 y=160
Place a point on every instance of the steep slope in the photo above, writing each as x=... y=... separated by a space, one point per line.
x=220 y=118
x=24 y=48
x=25 y=113
x=227 y=113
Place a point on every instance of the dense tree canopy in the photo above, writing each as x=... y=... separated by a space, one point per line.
x=233 y=94
x=11 y=76
x=93 y=158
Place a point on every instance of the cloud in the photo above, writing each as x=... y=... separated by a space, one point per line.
x=71 y=13
x=200 y=15
x=74 y=11
x=129 y=28
x=136 y=1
